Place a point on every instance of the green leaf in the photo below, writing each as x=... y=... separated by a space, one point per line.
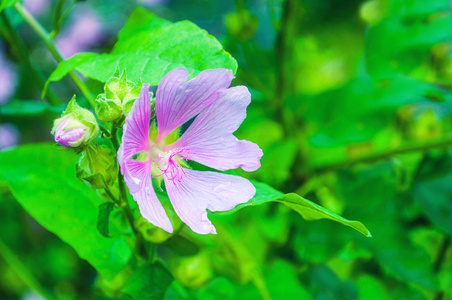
x=7 y=3
x=43 y=181
x=372 y=192
x=149 y=47
x=104 y=218
x=66 y=66
x=218 y=288
x=411 y=36
x=433 y=190
x=282 y=282
x=307 y=209
x=28 y=108
x=149 y=281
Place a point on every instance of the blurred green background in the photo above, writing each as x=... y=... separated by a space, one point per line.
x=352 y=106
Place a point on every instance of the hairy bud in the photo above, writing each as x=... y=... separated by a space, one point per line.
x=119 y=96
x=77 y=126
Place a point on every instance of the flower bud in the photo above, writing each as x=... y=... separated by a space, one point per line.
x=97 y=167
x=69 y=135
x=108 y=110
x=192 y=271
x=119 y=96
x=76 y=127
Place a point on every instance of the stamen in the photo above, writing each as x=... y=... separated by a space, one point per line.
x=173 y=168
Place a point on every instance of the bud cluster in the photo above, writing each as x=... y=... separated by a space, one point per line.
x=77 y=128
x=118 y=97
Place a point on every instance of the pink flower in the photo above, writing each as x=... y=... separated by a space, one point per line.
x=219 y=111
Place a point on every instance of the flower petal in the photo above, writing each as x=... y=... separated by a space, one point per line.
x=209 y=139
x=178 y=100
x=138 y=179
x=196 y=191
x=135 y=137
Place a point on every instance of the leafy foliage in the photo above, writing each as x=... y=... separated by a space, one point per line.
x=149 y=47
x=307 y=209
x=351 y=105
x=62 y=204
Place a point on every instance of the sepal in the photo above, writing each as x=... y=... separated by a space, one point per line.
x=118 y=97
x=97 y=167
x=107 y=109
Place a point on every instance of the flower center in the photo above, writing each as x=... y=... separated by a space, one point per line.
x=166 y=163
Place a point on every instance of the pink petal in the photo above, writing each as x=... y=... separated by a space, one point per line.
x=138 y=179
x=209 y=139
x=65 y=137
x=135 y=137
x=196 y=191
x=178 y=100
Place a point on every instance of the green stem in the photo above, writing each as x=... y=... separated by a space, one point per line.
x=105 y=131
x=22 y=52
x=284 y=54
x=122 y=187
x=56 y=19
x=21 y=270
x=440 y=258
x=112 y=197
x=441 y=254
x=45 y=36
x=442 y=143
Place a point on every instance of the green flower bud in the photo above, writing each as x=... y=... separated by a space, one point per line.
x=97 y=167
x=106 y=109
x=119 y=96
x=192 y=271
x=77 y=126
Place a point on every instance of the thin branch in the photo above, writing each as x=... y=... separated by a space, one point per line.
x=45 y=36
x=440 y=258
x=112 y=197
x=22 y=53
x=427 y=146
x=57 y=18
x=122 y=188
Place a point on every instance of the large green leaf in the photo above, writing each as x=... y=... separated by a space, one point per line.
x=43 y=180
x=307 y=209
x=149 y=47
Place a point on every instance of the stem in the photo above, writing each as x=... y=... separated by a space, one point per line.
x=105 y=131
x=112 y=197
x=21 y=270
x=284 y=53
x=122 y=187
x=22 y=52
x=441 y=254
x=384 y=155
x=45 y=36
x=56 y=18
x=441 y=257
